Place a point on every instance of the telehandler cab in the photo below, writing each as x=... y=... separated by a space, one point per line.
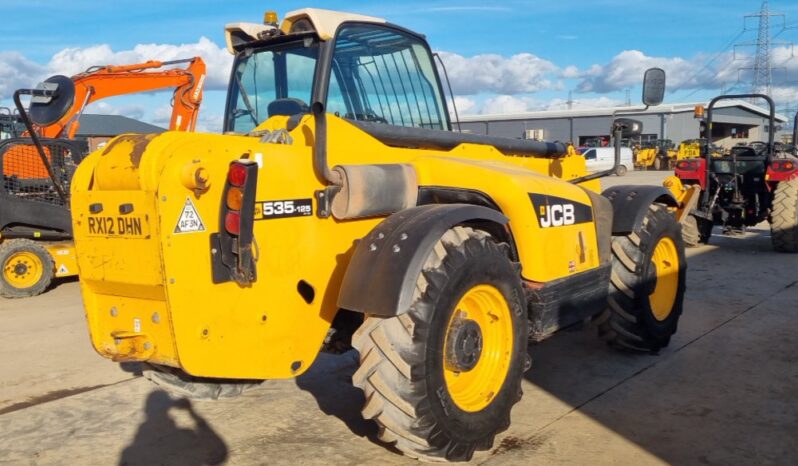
x=340 y=207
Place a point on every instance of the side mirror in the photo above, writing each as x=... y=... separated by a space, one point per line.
x=654 y=86
x=627 y=127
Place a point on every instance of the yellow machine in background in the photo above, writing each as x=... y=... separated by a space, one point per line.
x=691 y=149
x=340 y=209
x=657 y=155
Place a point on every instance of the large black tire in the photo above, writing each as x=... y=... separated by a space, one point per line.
x=26 y=268
x=784 y=217
x=629 y=322
x=696 y=231
x=402 y=367
x=179 y=383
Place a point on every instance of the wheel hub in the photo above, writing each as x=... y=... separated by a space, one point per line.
x=20 y=268
x=465 y=345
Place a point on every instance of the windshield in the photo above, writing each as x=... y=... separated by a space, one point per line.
x=377 y=74
x=284 y=71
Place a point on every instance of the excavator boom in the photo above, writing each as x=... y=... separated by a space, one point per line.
x=109 y=81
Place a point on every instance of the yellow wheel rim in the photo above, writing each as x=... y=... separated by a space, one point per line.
x=666 y=262
x=23 y=269
x=473 y=387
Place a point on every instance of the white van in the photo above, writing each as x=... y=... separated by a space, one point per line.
x=603 y=158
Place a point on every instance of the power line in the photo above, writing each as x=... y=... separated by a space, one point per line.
x=717 y=55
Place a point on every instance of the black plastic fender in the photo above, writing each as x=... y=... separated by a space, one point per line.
x=381 y=276
x=630 y=204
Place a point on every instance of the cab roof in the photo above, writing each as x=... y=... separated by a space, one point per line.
x=323 y=22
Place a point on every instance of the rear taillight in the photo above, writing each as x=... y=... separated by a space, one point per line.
x=232 y=222
x=688 y=164
x=783 y=165
x=232 y=246
x=235 y=198
x=237 y=175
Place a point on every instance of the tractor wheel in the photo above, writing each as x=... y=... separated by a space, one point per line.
x=695 y=231
x=784 y=217
x=27 y=268
x=621 y=171
x=441 y=379
x=647 y=285
x=179 y=383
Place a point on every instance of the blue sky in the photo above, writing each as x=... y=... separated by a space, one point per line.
x=502 y=55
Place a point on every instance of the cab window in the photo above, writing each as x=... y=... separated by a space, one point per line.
x=385 y=76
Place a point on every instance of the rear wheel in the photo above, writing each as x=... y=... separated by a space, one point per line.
x=784 y=217
x=647 y=285
x=27 y=268
x=441 y=379
x=179 y=383
x=621 y=170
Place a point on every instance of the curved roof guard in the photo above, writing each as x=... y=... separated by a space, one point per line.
x=324 y=22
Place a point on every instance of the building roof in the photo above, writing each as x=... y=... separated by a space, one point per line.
x=608 y=111
x=113 y=125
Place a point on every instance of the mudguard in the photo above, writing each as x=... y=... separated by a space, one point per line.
x=381 y=276
x=630 y=204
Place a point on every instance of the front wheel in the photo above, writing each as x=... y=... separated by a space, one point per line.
x=441 y=379
x=646 y=286
x=696 y=231
x=621 y=170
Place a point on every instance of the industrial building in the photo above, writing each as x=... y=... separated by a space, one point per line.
x=734 y=121
x=99 y=129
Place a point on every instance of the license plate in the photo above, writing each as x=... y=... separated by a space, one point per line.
x=126 y=226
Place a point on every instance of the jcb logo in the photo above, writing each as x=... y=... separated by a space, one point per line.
x=557 y=215
x=554 y=211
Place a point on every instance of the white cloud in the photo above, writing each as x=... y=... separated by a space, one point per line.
x=518 y=104
x=207 y=122
x=521 y=73
x=626 y=70
x=17 y=72
x=464 y=105
x=72 y=61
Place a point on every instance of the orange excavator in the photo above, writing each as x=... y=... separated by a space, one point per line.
x=60 y=117
x=35 y=226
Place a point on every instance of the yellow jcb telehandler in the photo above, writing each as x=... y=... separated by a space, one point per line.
x=339 y=206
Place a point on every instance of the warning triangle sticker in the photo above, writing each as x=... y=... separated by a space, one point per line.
x=63 y=269
x=189 y=220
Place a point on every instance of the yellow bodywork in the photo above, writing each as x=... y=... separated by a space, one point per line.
x=64 y=258
x=687 y=197
x=149 y=295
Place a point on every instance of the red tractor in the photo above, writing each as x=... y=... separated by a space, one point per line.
x=750 y=184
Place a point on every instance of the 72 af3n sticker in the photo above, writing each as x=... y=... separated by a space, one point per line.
x=552 y=211
x=265 y=210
